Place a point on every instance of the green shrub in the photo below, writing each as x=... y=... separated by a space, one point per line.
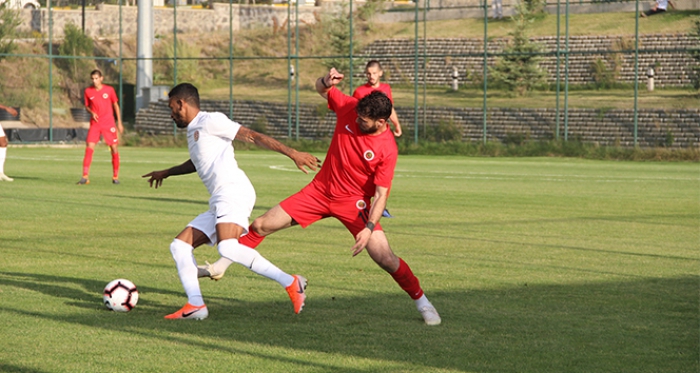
x=75 y=43
x=9 y=21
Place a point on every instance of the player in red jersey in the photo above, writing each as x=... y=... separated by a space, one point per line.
x=374 y=73
x=352 y=186
x=102 y=103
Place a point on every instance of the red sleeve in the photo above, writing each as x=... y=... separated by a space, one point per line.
x=114 y=97
x=387 y=90
x=339 y=102
x=384 y=173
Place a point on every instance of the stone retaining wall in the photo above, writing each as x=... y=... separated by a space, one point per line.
x=667 y=53
x=104 y=20
x=674 y=128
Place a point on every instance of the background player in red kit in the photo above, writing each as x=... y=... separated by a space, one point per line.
x=102 y=103
x=374 y=73
x=352 y=186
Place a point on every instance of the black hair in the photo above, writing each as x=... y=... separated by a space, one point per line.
x=375 y=106
x=96 y=72
x=185 y=92
x=373 y=63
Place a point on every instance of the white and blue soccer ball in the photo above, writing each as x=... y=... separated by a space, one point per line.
x=120 y=295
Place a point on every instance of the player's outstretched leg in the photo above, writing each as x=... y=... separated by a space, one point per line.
x=187 y=270
x=380 y=251
x=410 y=284
x=190 y=312
x=216 y=270
x=297 y=292
x=233 y=251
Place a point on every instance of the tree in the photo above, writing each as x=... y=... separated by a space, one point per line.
x=9 y=22
x=519 y=69
x=75 y=44
x=695 y=52
x=336 y=29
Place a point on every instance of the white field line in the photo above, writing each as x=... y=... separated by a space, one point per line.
x=509 y=176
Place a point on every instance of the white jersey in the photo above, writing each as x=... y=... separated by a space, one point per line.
x=209 y=138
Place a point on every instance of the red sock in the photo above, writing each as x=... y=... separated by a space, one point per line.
x=407 y=280
x=251 y=239
x=87 y=160
x=115 y=165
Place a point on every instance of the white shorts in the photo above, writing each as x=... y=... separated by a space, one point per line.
x=232 y=205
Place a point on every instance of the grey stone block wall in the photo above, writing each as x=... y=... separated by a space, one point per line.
x=104 y=20
x=668 y=53
x=611 y=127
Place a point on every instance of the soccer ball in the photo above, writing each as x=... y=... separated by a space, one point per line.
x=120 y=295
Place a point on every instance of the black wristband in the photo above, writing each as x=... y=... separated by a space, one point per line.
x=370 y=226
x=323 y=81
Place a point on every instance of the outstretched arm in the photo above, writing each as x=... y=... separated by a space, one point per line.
x=158 y=176
x=301 y=159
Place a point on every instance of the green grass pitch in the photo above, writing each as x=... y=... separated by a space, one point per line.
x=535 y=264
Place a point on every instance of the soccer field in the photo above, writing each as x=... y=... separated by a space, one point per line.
x=535 y=264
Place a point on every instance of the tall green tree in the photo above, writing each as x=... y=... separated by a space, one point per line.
x=336 y=28
x=519 y=70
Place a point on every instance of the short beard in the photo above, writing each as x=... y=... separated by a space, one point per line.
x=369 y=131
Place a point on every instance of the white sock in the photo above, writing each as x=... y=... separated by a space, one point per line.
x=422 y=302
x=3 y=154
x=187 y=269
x=232 y=250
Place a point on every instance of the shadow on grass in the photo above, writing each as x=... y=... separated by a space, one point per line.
x=641 y=325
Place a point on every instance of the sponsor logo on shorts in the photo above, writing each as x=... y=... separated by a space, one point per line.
x=113 y=130
x=361 y=204
x=196 y=135
x=105 y=96
x=369 y=155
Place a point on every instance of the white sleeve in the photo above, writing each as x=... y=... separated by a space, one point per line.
x=223 y=127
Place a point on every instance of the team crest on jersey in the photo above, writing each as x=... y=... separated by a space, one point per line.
x=196 y=135
x=361 y=204
x=105 y=96
x=369 y=155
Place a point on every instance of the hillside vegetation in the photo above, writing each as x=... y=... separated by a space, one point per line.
x=261 y=67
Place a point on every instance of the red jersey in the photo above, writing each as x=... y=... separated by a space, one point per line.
x=101 y=102
x=366 y=89
x=356 y=162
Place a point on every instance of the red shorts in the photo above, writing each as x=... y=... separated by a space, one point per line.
x=109 y=134
x=310 y=205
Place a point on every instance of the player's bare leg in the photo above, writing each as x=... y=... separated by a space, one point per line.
x=3 y=155
x=233 y=251
x=379 y=250
x=273 y=220
x=182 y=249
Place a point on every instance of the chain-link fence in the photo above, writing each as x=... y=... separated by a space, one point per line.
x=459 y=70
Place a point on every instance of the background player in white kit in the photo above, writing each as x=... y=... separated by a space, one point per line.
x=3 y=144
x=209 y=137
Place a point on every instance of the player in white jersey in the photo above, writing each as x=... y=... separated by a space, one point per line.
x=209 y=137
x=3 y=144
